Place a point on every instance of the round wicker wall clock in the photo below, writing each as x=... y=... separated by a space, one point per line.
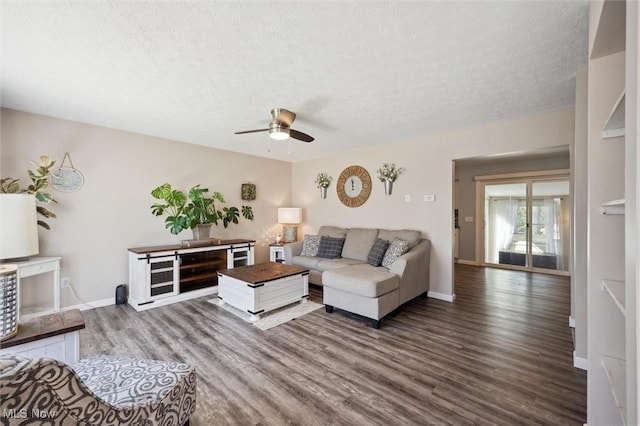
x=354 y=186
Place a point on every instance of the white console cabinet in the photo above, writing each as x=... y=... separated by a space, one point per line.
x=161 y=275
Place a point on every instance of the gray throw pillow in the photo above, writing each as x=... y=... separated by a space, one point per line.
x=310 y=245
x=397 y=248
x=377 y=252
x=330 y=248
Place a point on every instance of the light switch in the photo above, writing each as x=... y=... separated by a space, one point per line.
x=407 y=198
x=468 y=218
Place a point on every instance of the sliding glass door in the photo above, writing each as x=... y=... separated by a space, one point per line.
x=526 y=224
x=506 y=236
x=550 y=224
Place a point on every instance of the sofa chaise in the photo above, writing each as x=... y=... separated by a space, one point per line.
x=366 y=271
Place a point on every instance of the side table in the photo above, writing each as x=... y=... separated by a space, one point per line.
x=276 y=252
x=54 y=336
x=37 y=266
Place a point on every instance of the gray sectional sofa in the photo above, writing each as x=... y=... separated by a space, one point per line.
x=352 y=281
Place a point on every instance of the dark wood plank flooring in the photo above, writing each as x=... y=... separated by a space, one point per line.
x=501 y=354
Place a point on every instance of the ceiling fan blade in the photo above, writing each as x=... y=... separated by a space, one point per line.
x=251 y=131
x=300 y=136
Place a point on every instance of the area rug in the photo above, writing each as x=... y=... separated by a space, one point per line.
x=272 y=318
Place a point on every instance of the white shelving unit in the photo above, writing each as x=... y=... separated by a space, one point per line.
x=613 y=250
x=614 y=126
x=615 y=289
x=613 y=207
x=615 y=370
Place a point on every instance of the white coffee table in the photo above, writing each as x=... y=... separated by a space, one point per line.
x=263 y=287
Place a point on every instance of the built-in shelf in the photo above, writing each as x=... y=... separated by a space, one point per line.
x=615 y=289
x=613 y=207
x=616 y=374
x=614 y=126
x=610 y=33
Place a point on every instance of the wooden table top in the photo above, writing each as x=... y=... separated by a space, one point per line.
x=211 y=242
x=45 y=326
x=263 y=272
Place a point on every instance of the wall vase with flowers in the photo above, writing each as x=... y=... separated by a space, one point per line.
x=322 y=182
x=388 y=174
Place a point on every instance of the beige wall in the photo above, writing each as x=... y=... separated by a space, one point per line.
x=97 y=224
x=111 y=212
x=429 y=170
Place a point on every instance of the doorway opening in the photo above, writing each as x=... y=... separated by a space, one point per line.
x=525 y=221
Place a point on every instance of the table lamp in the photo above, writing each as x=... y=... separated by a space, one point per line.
x=18 y=239
x=289 y=217
x=18 y=226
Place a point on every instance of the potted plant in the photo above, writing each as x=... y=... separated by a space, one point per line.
x=196 y=210
x=39 y=183
x=323 y=181
x=388 y=174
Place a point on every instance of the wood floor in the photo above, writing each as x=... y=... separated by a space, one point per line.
x=501 y=354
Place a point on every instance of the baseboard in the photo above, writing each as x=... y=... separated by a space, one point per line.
x=91 y=305
x=572 y=322
x=468 y=262
x=580 y=363
x=442 y=296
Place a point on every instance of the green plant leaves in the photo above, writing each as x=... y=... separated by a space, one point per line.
x=200 y=210
x=247 y=212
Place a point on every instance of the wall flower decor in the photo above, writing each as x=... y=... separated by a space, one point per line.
x=323 y=181
x=388 y=174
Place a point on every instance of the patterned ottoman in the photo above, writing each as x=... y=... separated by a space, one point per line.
x=100 y=390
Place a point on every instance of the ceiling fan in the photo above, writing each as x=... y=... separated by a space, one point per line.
x=280 y=127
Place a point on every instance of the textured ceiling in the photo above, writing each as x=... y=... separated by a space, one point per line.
x=357 y=73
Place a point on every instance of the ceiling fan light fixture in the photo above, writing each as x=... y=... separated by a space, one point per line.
x=278 y=132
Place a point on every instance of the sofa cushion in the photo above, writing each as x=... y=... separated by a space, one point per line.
x=396 y=248
x=333 y=231
x=412 y=237
x=328 y=264
x=307 y=262
x=330 y=248
x=310 y=245
x=358 y=243
x=364 y=280
x=377 y=252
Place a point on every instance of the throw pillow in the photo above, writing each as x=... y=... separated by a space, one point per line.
x=397 y=248
x=310 y=245
x=376 y=254
x=330 y=248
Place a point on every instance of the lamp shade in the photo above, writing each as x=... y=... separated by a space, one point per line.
x=18 y=226
x=289 y=215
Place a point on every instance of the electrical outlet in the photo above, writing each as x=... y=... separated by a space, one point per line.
x=65 y=282
x=407 y=198
x=429 y=198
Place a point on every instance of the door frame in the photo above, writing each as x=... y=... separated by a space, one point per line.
x=521 y=177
